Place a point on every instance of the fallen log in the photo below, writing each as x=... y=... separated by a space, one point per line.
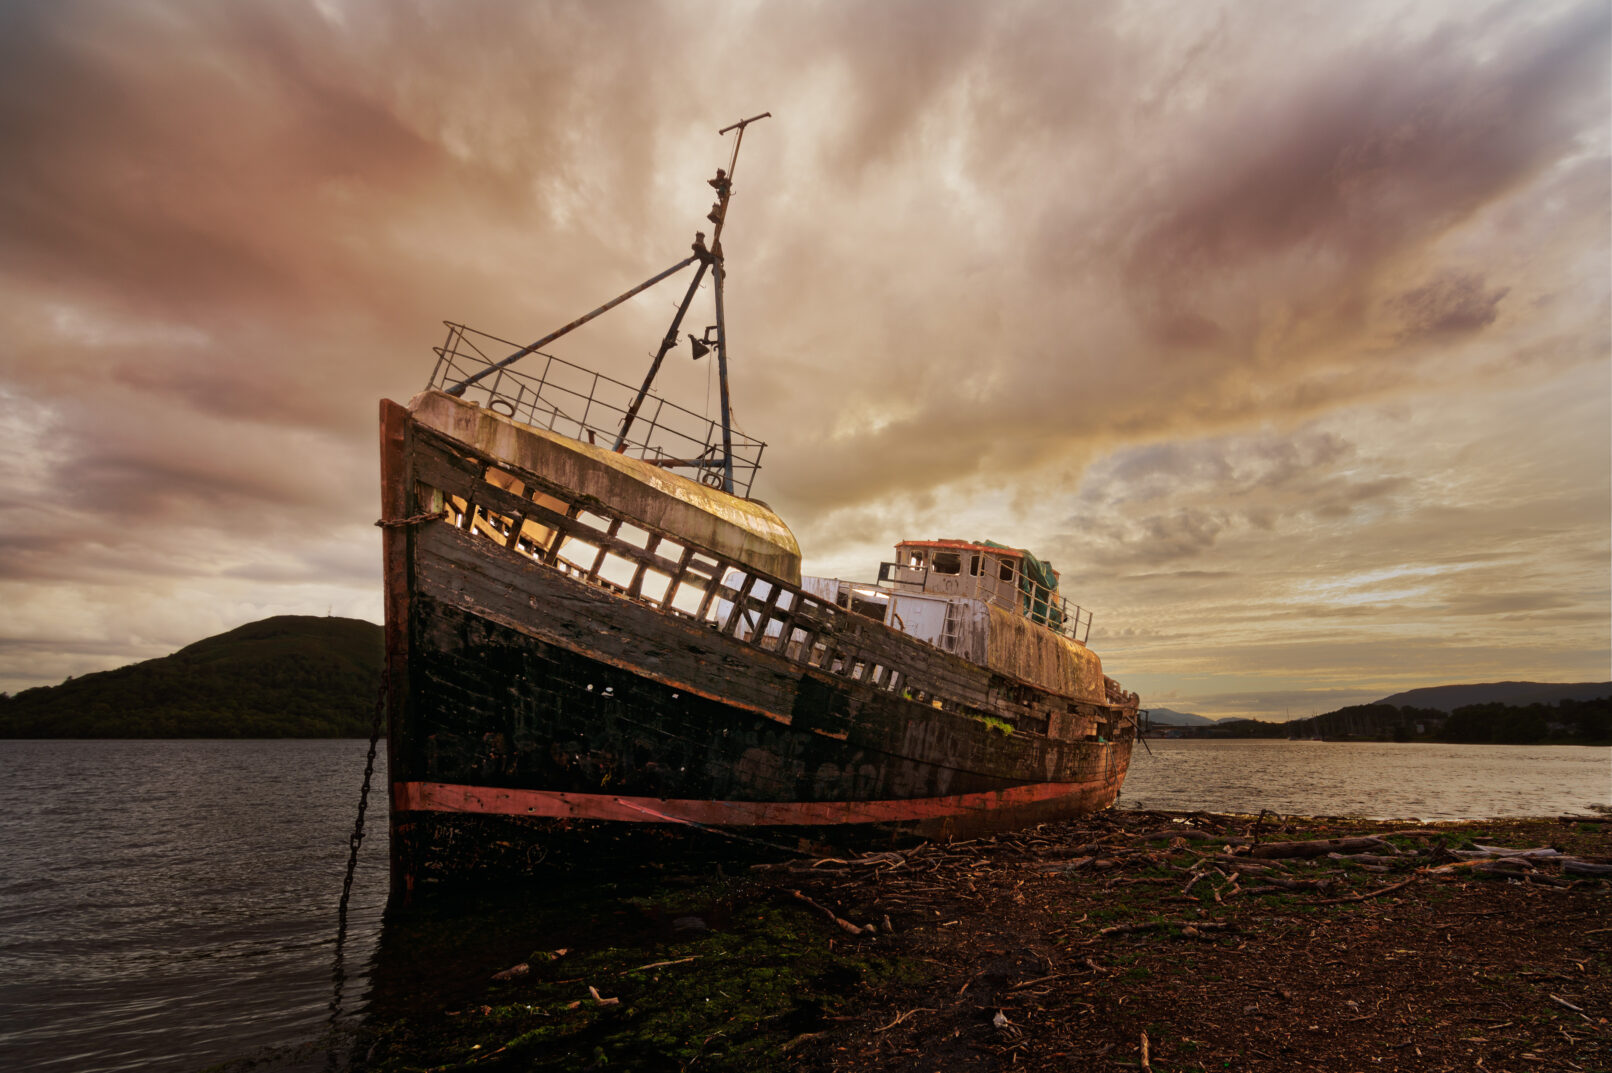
x=1318 y=848
x=1575 y=867
x=1150 y=925
x=1482 y=852
x=1373 y=858
x=1507 y=865
x=1192 y=834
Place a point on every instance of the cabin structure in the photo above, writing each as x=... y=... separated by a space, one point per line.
x=933 y=584
x=985 y=602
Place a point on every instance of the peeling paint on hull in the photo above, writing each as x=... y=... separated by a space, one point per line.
x=545 y=804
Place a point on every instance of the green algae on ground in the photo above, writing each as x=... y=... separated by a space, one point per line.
x=734 y=996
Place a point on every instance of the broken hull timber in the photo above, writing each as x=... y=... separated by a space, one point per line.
x=527 y=694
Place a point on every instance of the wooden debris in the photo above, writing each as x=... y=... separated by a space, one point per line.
x=1194 y=835
x=1038 y=980
x=1368 y=894
x=1059 y=971
x=1480 y=852
x=657 y=965
x=1575 y=867
x=902 y=1017
x=1317 y=848
x=1151 y=925
x=1279 y=883
x=1370 y=859
x=845 y=925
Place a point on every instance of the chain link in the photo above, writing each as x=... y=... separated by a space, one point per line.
x=356 y=839
x=338 y=974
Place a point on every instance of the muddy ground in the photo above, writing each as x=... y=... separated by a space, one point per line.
x=1128 y=940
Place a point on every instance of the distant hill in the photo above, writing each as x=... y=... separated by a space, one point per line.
x=1519 y=694
x=291 y=676
x=1168 y=717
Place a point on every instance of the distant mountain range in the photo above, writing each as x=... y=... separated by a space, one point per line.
x=1169 y=717
x=292 y=676
x=1519 y=694
x=1439 y=698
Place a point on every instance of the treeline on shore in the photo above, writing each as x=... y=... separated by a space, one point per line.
x=1567 y=722
x=292 y=676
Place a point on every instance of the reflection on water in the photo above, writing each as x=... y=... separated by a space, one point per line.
x=442 y=950
x=1372 y=779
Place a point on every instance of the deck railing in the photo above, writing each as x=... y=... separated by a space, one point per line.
x=558 y=396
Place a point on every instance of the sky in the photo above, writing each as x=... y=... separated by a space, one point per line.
x=1281 y=328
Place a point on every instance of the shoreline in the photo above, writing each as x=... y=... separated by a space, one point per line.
x=1599 y=743
x=1060 y=947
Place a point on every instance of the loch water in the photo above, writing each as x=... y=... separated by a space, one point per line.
x=171 y=905
x=167 y=905
x=1378 y=780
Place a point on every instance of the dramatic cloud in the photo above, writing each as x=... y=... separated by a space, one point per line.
x=1283 y=328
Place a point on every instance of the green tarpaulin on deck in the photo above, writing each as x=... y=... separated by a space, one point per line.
x=1041 y=603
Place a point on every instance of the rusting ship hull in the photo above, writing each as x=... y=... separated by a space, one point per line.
x=557 y=660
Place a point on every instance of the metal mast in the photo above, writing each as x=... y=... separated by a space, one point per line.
x=724 y=186
x=709 y=258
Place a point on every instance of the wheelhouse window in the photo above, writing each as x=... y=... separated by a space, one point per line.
x=948 y=562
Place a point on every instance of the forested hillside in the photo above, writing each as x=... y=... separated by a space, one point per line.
x=1570 y=722
x=292 y=676
x=1514 y=694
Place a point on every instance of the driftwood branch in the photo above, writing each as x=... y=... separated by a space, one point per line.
x=1574 y=866
x=1318 y=848
x=1368 y=894
x=1150 y=925
x=845 y=925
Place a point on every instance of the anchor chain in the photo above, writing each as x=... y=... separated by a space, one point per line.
x=338 y=974
x=356 y=839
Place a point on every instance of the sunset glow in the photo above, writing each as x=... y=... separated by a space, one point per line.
x=1283 y=330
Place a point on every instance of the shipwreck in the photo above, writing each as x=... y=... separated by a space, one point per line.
x=589 y=621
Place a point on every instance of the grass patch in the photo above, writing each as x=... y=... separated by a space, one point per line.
x=719 y=998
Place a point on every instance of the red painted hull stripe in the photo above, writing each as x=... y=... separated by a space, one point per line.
x=447 y=797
